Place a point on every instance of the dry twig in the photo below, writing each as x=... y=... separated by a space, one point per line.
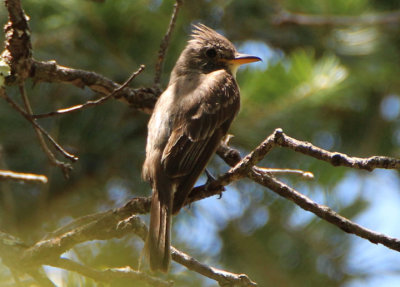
x=224 y=278
x=65 y=167
x=8 y=174
x=142 y=99
x=19 y=109
x=165 y=42
x=109 y=275
x=95 y=102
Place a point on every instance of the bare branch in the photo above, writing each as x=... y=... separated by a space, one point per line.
x=107 y=225
x=92 y=103
x=18 y=46
x=109 y=275
x=283 y=171
x=385 y=18
x=165 y=43
x=324 y=212
x=110 y=224
x=334 y=158
x=142 y=99
x=7 y=174
x=65 y=167
x=119 y=222
x=69 y=156
x=224 y=278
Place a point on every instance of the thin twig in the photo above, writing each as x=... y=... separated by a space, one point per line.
x=142 y=99
x=165 y=42
x=8 y=174
x=92 y=103
x=109 y=275
x=65 y=167
x=224 y=278
x=283 y=171
x=334 y=158
x=69 y=156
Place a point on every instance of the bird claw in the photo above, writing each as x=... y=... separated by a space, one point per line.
x=210 y=177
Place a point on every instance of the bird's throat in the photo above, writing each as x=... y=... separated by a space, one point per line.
x=233 y=69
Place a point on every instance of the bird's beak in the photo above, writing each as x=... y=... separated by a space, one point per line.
x=241 y=59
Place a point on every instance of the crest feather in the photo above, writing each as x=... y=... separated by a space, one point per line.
x=204 y=35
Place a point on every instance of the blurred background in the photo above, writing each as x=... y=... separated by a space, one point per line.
x=336 y=85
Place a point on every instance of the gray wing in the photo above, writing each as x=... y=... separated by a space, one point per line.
x=203 y=119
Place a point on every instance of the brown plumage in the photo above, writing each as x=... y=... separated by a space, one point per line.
x=188 y=122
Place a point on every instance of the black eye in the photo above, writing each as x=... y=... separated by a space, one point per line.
x=211 y=53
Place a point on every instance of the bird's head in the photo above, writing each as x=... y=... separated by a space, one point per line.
x=208 y=51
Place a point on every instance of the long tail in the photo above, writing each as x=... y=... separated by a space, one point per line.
x=159 y=238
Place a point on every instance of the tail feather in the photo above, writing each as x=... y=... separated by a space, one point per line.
x=159 y=238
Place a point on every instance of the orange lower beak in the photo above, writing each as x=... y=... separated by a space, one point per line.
x=241 y=59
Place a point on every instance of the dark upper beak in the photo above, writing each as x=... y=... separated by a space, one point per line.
x=241 y=59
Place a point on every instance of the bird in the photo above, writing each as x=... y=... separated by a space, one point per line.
x=188 y=122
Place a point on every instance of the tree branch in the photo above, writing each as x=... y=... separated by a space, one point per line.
x=18 y=46
x=109 y=275
x=142 y=99
x=334 y=158
x=65 y=167
x=108 y=225
x=95 y=102
x=8 y=174
x=119 y=222
x=324 y=212
x=223 y=277
x=165 y=43
x=278 y=138
x=19 y=109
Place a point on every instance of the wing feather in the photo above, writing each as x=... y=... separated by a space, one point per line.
x=205 y=110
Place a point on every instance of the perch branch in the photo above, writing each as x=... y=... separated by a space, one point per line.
x=116 y=223
x=324 y=212
x=232 y=157
x=109 y=225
